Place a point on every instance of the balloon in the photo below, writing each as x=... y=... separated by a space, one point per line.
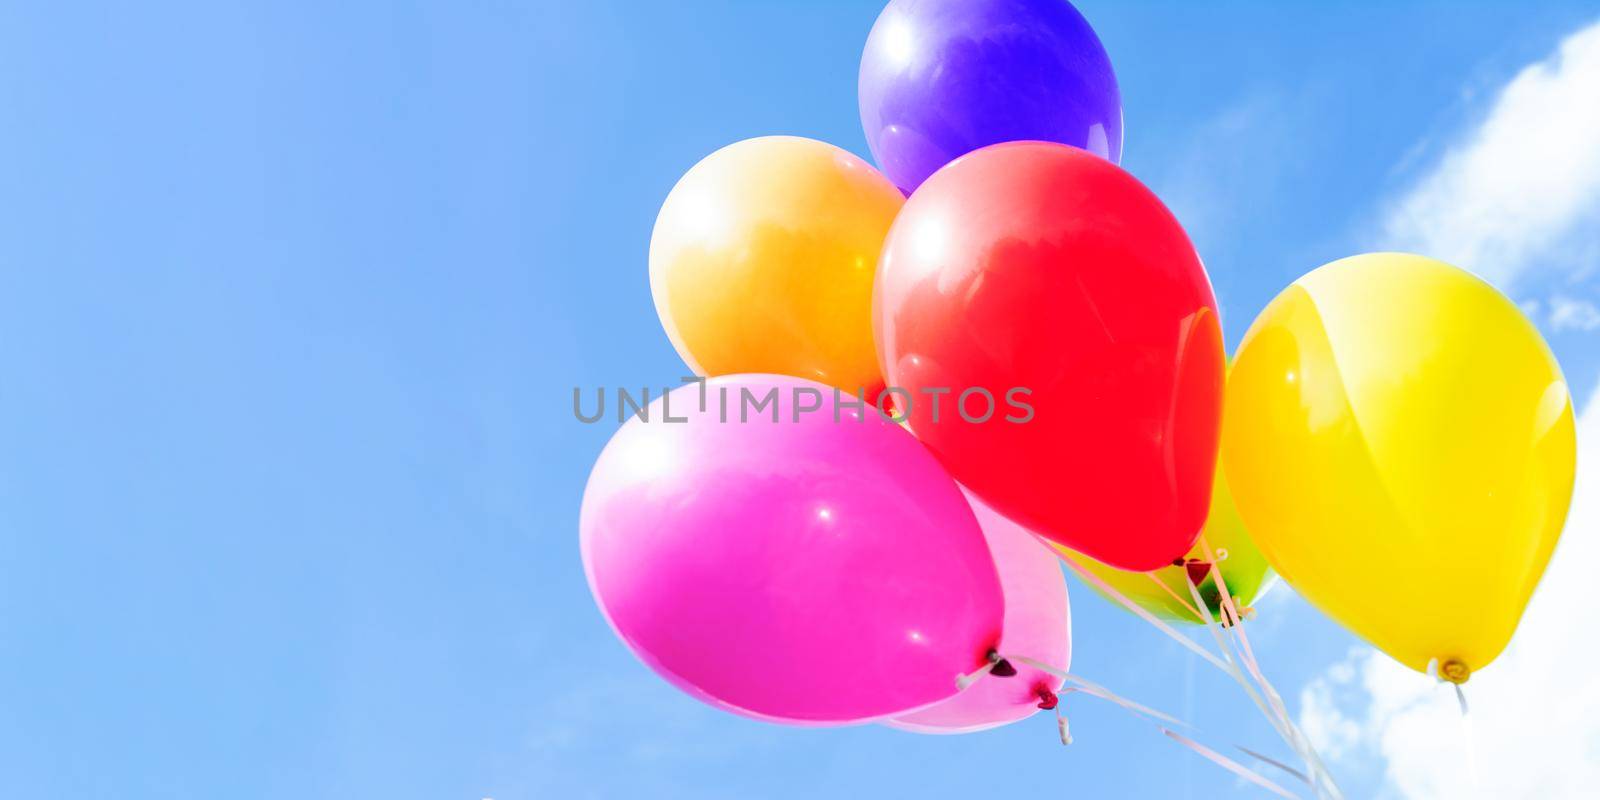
x=1060 y=286
x=789 y=567
x=1037 y=625
x=941 y=78
x=1244 y=569
x=1400 y=441
x=762 y=260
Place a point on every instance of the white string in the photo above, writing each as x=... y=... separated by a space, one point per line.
x=1434 y=673
x=1266 y=700
x=1233 y=671
x=1099 y=583
x=964 y=681
x=1157 y=717
x=1089 y=687
x=1276 y=763
x=1312 y=758
x=1174 y=595
x=1301 y=744
x=1061 y=727
x=1229 y=764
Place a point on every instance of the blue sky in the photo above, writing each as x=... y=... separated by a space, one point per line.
x=293 y=296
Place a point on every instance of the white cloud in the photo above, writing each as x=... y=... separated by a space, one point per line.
x=1567 y=313
x=1322 y=717
x=1513 y=195
x=1534 y=725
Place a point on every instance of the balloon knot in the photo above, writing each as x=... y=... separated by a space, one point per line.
x=1236 y=614
x=1047 y=698
x=1227 y=619
x=1454 y=671
x=1002 y=668
x=1197 y=570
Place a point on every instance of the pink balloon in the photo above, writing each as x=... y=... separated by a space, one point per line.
x=803 y=570
x=1037 y=624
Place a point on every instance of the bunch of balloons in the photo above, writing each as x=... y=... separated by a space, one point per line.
x=843 y=523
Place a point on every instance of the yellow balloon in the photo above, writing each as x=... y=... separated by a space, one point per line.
x=1244 y=569
x=1400 y=441
x=762 y=260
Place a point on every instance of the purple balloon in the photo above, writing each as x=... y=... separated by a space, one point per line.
x=941 y=78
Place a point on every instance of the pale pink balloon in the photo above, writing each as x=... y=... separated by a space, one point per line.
x=1037 y=624
x=807 y=571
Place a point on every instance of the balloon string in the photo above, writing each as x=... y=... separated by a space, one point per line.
x=1099 y=583
x=1089 y=687
x=964 y=681
x=1161 y=722
x=1228 y=764
x=1273 y=713
x=1061 y=718
x=1245 y=654
x=1276 y=763
x=1461 y=696
x=1310 y=754
x=1229 y=667
x=1173 y=595
x=1301 y=744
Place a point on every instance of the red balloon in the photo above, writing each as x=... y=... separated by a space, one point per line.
x=1052 y=280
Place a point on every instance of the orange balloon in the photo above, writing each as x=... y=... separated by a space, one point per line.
x=762 y=260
